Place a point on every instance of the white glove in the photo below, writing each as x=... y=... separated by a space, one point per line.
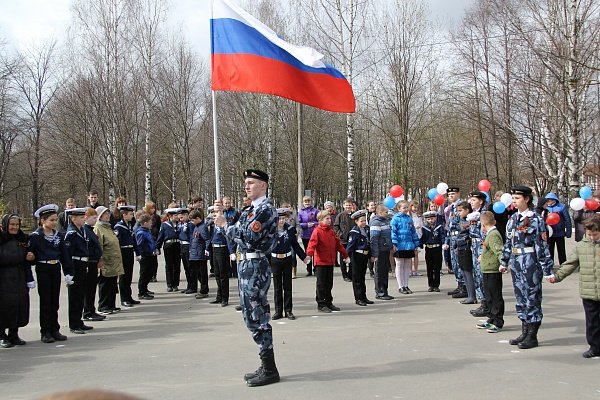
x=157 y=252
x=232 y=257
x=138 y=258
x=206 y=253
x=347 y=260
x=31 y=285
x=445 y=247
x=473 y=216
x=69 y=279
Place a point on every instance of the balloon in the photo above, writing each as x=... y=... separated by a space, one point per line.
x=484 y=185
x=397 y=199
x=506 y=199
x=432 y=193
x=439 y=199
x=585 y=192
x=591 y=204
x=577 y=203
x=389 y=202
x=396 y=191
x=550 y=231
x=553 y=218
x=442 y=188
x=499 y=207
x=487 y=197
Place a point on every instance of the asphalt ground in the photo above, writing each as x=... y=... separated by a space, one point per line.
x=419 y=346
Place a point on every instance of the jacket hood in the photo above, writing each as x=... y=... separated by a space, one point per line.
x=552 y=196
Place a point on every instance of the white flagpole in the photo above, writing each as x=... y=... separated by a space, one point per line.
x=216 y=147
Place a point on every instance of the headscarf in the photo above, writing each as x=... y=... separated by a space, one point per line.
x=5 y=236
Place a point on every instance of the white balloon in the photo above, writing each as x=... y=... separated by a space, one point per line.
x=550 y=230
x=577 y=203
x=506 y=199
x=442 y=188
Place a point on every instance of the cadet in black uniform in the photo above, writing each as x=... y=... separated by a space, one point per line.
x=168 y=239
x=124 y=231
x=186 y=227
x=358 y=249
x=220 y=261
x=47 y=245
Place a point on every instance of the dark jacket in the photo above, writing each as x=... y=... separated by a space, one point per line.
x=342 y=225
x=199 y=243
x=579 y=217
x=381 y=235
x=145 y=242
x=564 y=226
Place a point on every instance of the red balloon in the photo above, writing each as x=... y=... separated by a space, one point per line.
x=484 y=185
x=396 y=191
x=592 y=204
x=553 y=218
x=439 y=199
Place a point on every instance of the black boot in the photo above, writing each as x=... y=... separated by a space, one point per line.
x=267 y=373
x=13 y=336
x=254 y=374
x=530 y=340
x=522 y=336
x=450 y=293
x=4 y=342
x=462 y=293
x=482 y=311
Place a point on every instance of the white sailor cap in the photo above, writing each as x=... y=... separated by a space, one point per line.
x=183 y=210
x=430 y=214
x=126 y=208
x=171 y=210
x=76 y=211
x=47 y=209
x=283 y=211
x=211 y=209
x=357 y=214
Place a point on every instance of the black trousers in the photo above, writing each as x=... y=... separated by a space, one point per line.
x=172 y=256
x=222 y=272
x=492 y=289
x=382 y=271
x=309 y=266
x=447 y=258
x=48 y=285
x=127 y=277
x=185 y=260
x=199 y=271
x=233 y=268
x=592 y=324
x=433 y=260
x=77 y=294
x=359 y=269
x=324 y=274
x=107 y=292
x=91 y=282
x=282 y=284
x=560 y=247
x=148 y=265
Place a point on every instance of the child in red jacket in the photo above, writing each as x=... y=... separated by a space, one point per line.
x=323 y=247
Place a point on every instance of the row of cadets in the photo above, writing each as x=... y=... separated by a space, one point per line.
x=282 y=261
x=432 y=239
x=478 y=203
x=199 y=254
x=186 y=228
x=124 y=232
x=381 y=245
x=221 y=256
x=147 y=255
x=168 y=240
x=451 y=213
x=358 y=248
x=47 y=246
x=77 y=246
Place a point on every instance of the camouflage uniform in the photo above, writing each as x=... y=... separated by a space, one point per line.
x=477 y=238
x=453 y=229
x=254 y=234
x=526 y=254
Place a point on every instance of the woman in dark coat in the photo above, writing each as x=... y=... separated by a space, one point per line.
x=15 y=281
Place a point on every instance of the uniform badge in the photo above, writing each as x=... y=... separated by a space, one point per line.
x=544 y=236
x=256 y=226
x=250 y=215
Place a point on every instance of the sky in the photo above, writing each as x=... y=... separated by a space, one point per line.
x=25 y=23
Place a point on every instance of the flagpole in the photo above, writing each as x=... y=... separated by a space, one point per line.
x=216 y=146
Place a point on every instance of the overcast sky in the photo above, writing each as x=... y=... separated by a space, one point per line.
x=24 y=23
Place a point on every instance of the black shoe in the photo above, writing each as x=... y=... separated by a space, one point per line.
x=277 y=316
x=13 y=337
x=460 y=295
x=430 y=289
x=201 y=295
x=436 y=289
x=453 y=292
x=290 y=316
x=333 y=308
x=94 y=317
x=361 y=303
x=47 y=338
x=150 y=292
x=324 y=309
x=134 y=302
x=115 y=310
x=480 y=312
x=6 y=344
x=77 y=331
x=590 y=354
x=238 y=308
x=407 y=290
x=146 y=297
x=189 y=291
x=384 y=297
x=59 y=336
x=86 y=327
x=346 y=279
x=169 y=289
x=224 y=304
x=211 y=275
x=216 y=301
x=267 y=373
x=368 y=301
x=106 y=311
x=126 y=304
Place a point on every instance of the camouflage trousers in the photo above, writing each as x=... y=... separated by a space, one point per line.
x=254 y=280
x=476 y=250
x=454 y=260
x=527 y=278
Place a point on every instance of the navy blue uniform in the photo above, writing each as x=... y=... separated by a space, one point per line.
x=91 y=277
x=124 y=232
x=198 y=258
x=432 y=239
x=282 y=260
x=77 y=245
x=358 y=249
x=168 y=239
x=185 y=237
x=220 y=262
x=146 y=247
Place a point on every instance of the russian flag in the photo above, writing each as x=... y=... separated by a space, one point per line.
x=247 y=56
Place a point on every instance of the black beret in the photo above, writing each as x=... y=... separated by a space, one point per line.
x=453 y=189
x=522 y=190
x=478 y=194
x=256 y=174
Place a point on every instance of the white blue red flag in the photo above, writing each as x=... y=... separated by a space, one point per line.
x=247 y=56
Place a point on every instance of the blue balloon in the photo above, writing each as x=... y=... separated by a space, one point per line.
x=389 y=202
x=499 y=207
x=585 y=192
x=487 y=197
x=432 y=193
